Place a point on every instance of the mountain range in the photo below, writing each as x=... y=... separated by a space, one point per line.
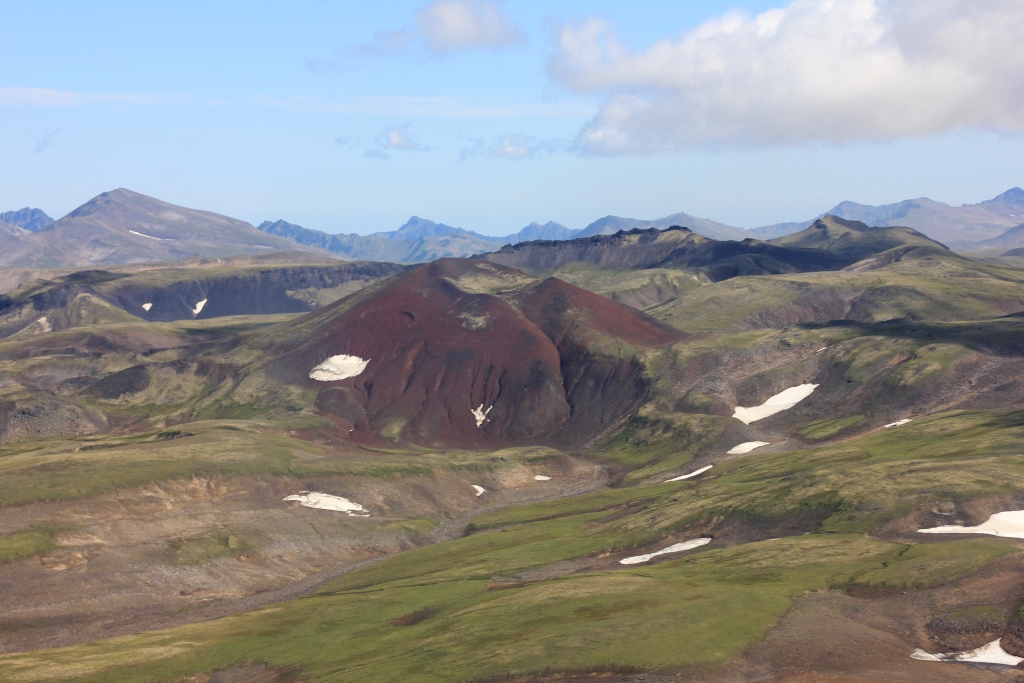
x=961 y=228
x=122 y=226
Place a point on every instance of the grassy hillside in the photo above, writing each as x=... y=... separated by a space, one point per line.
x=160 y=455
x=538 y=587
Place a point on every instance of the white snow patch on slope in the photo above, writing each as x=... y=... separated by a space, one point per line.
x=481 y=415
x=677 y=548
x=325 y=501
x=480 y=490
x=43 y=323
x=897 y=423
x=338 y=367
x=199 y=307
x=158 y=239
x=146 y=307
x=746 y=447
x=691 y=474
x=776 y=404
x=541 y=477
x=1008 y=524
x=993 y=653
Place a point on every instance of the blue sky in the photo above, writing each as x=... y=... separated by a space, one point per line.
x=350 y=117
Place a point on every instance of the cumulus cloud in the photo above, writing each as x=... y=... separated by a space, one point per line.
x=449 y=25
x=832 y=71
x=442 y=27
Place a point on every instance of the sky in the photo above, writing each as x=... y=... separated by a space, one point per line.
x=353 y=116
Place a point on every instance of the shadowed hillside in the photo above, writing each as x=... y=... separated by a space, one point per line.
x=174 y=293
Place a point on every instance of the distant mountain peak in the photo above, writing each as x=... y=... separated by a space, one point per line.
x=1014 y=195
x=417 y=228
x=32 y=220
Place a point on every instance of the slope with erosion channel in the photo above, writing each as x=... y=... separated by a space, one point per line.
x=105 y=536
x=809 y=542
x=467 y=353
x=92 y=297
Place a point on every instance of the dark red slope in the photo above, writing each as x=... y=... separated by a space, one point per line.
x=562 y=309
x=440 y=345
x=596 y=339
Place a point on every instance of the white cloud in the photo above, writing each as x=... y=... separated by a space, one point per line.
x=450 y=25
x=833 y=71
x=441 y=27
x=398 y=138
x=513 y=146
x=516 y=146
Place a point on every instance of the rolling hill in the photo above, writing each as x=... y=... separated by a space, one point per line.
x=643 y=267
x=959 y=227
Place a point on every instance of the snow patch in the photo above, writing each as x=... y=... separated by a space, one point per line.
x=776 y=404
x=897 y=423
x=746 y=447
x=541 y=477
x=199 y=307
x=158 y=239
x=146 y=307
x=43 y=323
x=691 y=474
x=1008 y=524
x=677 y=548
x=326 y=501
x=480 y=415
x=480 y=490
x=993 y=653
x=338 y=367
